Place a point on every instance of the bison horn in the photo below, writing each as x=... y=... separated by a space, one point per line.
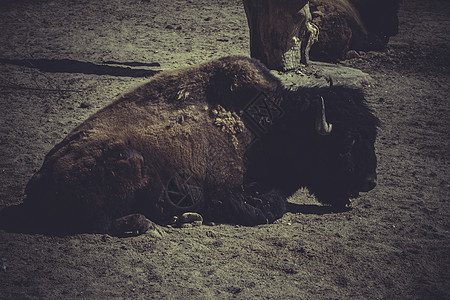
x=322 y=126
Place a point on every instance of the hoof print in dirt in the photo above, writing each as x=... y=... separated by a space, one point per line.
x=130 y=225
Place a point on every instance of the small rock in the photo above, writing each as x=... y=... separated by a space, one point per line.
x=84 y=105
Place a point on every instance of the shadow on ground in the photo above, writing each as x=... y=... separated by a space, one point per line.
x=312 y=209
x=75 y=66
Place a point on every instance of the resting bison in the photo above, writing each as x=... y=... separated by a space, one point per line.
x=223 y=139
x=380 y=20
x=352 y=25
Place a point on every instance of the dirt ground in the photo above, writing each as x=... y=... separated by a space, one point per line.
x=62 y=60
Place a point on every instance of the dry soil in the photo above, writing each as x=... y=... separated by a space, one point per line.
x=62 y=60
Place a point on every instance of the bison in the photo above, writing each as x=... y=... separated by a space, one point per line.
x=224 y=139
x=352 y=25
x=380 y=18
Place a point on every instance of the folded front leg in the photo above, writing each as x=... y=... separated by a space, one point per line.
x=245 y=208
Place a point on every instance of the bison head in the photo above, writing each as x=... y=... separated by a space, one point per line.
x=341 y=156
x=324 y=142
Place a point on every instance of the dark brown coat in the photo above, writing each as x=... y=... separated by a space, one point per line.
x=352 y=25
x=184 y=133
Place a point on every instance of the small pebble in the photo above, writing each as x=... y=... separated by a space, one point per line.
x=84 y=105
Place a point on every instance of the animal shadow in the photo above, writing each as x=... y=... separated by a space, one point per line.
x=111 y=68
x=19 y=219
x=16 y=219
x=312 y=209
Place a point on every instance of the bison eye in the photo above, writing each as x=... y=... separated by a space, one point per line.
x=349 y=143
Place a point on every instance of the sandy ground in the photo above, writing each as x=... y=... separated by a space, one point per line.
x=62 y=60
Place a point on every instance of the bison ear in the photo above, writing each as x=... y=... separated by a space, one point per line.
x=322 y=126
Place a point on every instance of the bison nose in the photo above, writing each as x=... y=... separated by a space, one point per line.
x=368 y=183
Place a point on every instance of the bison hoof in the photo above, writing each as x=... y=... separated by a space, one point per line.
x=188 y=219
x=131 y=225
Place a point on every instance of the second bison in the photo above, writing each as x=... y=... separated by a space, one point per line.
x=224 y=139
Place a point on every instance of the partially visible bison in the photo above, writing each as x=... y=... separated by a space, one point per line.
x=380 y=18
x=223 y=139
x=352 y=25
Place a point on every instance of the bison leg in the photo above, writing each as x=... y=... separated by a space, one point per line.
x=129 y=225
x=238 y=207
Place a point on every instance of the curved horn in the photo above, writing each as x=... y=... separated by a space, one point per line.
x=322 y=126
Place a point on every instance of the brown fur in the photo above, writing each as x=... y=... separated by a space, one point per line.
x=128 y=151
x=352 y=25
x=380 y=19
x=340 y=28
x=188 y=130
